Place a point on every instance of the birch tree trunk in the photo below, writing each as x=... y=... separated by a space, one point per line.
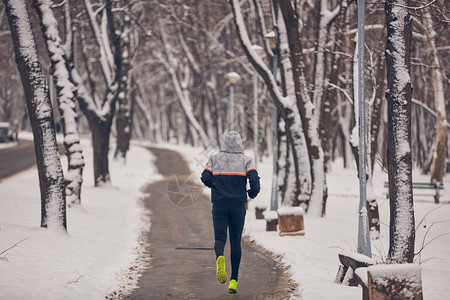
x=65 y=99
x=51 y=178
x=398 y=60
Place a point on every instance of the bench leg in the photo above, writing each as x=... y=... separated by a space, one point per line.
x=436 y=197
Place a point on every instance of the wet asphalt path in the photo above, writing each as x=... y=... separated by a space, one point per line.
x=181 y=240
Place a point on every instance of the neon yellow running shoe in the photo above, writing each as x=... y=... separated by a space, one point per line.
x=220 y=269
x=232 y=287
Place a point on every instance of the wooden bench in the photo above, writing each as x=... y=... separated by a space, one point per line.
x=436 y=186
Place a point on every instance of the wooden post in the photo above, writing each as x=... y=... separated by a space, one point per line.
x=259 y=211
x=291 y=221
x=271 y=220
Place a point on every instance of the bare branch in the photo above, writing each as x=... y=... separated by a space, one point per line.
x=423 y=219
x=418 y=7
x=435 y=238
x=75 y=281
x=13 y=246
x=426 y=108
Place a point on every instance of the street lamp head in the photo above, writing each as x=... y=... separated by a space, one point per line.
x=258 y=49
x=272 y=38
x=232 y=77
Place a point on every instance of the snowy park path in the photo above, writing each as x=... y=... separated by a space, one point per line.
x=182 y=264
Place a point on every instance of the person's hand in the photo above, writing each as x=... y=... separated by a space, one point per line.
x=251 y=194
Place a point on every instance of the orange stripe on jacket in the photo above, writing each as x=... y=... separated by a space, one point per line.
x=250 y=170
x=208 y=169
x=239 y=174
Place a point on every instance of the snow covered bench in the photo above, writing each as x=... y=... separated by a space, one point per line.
x=423 y=189
x=350 y=262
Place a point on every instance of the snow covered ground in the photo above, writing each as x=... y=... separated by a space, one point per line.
x=102 y=243
x=313 y=258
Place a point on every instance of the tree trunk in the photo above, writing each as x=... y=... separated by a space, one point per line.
x=284 y=163
x=398 y=60
x=66 y=101
x=124 y=118
x=51 y=179
x=377 y=111
x=100 y=142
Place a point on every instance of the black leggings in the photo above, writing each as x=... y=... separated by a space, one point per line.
x=233 y=217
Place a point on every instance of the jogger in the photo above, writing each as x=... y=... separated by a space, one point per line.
x=226 y=173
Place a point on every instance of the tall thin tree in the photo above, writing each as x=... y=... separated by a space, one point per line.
x=398 y=63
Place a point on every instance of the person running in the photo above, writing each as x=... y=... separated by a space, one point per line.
x=226 y=174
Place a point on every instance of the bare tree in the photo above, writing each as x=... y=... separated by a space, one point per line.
x=51 y=179
x=99 y=115
x=306 y=108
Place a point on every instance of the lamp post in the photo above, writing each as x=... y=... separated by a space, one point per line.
x=271 y=37
x=232 y=78
x=259 y=51
x=363 y=221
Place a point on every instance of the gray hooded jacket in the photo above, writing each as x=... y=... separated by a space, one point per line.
x=226 y=172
